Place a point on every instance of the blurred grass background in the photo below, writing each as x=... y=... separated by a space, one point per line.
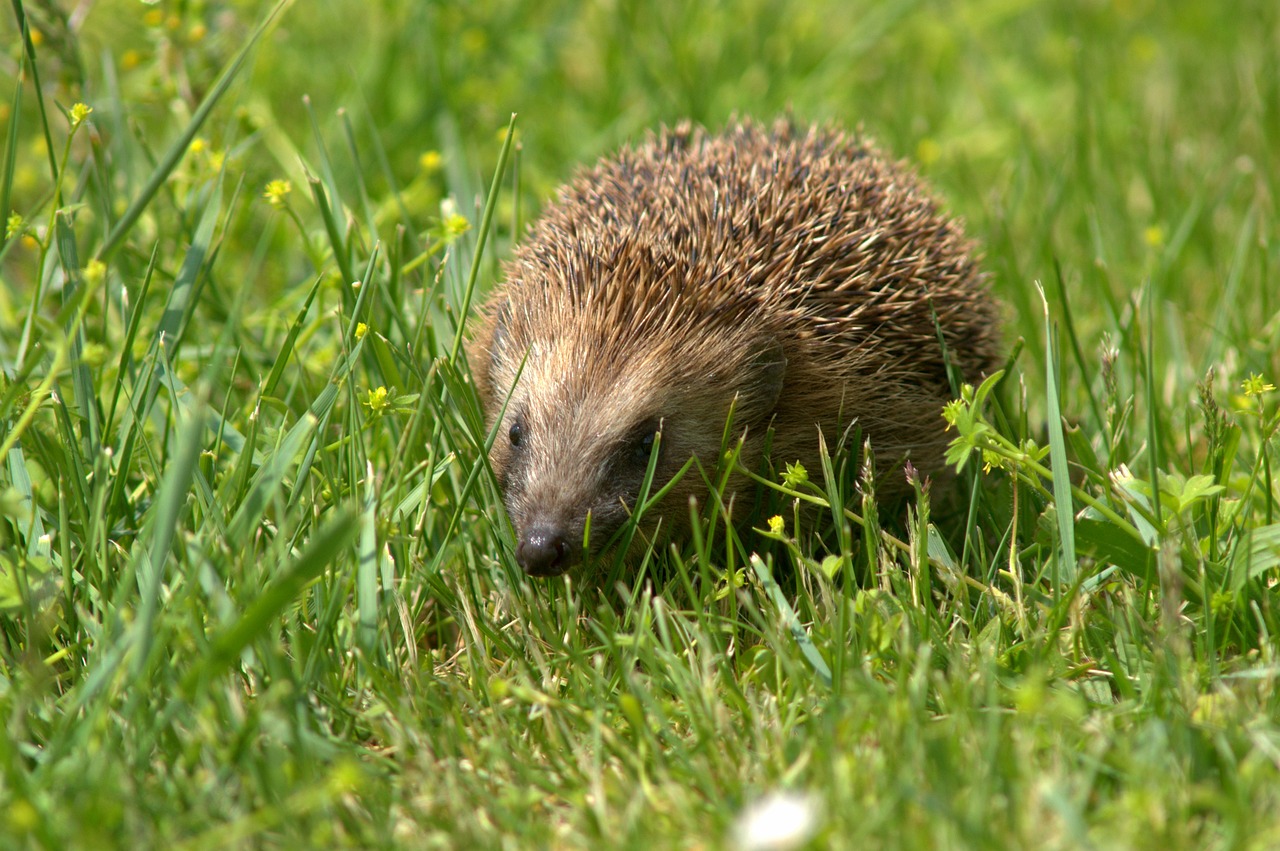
x=253 y=583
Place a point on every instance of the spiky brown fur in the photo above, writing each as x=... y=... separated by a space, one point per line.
x=795 y=270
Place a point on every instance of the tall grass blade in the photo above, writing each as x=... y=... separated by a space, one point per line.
x=10 y=153
x=29 y=50
x=1063 y=506
x=160 y=532
x=367 y=570
x=81 y=379
x=486 y=220
x=789 y=619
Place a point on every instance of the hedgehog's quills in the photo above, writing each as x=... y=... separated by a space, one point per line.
x=795 y=271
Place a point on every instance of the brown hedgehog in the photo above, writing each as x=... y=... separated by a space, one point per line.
x=792 y=275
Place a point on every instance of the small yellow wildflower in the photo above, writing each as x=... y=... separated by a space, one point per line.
x=130 y=59
x=473 y=40
x=276 y=191
x=376 y=400
x=197 y=33
x=951 y=412
x=795 y=476
x=456 y=225
x=928 y=151
x=361 y=330
x=79 y=113
x=777 y=525
x=94 y=355
x=94 y=272
x=431 y=161
x=1153 y=236
x=345 y=777
x=153 y=18
x=1256 y=385
x=14 y=225
x=23 y=818
x=1144 y=49
x=198 y=146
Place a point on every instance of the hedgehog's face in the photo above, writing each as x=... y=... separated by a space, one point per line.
x=580 y=431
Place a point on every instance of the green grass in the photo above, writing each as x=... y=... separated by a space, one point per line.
x=255 y=582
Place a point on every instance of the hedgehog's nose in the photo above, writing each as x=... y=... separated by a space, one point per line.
x=543 y=551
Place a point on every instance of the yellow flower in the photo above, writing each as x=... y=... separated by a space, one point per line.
x=1256 y=385
x=23 y=818
x=928 y=151
x=951 y=412
x=198 y=145
x=276 y=191
x=14 y=225
x=94 y=272
x=777 y=525
x=456 y=225
x=361 y=330
x=431 y=161
x=376 y=400
x=79 y=113
x=795 y=476
x=94 y=354
x=1153 y=236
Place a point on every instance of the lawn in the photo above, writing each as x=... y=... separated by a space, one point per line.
x=256 y=583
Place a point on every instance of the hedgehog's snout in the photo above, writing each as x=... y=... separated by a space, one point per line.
x=544 y=551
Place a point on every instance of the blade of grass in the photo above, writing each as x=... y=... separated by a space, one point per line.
x=81 y=379
x=171 y=499
x=1153 y=402
x=1058 y=456
x=11 y=152
x=24 y=28
x=486 y=219
x=367 y=571
x=790 y=621
x=1076 y=350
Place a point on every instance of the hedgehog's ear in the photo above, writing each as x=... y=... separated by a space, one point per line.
x=766 y=372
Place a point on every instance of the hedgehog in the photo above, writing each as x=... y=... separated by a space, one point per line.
x=785 y=282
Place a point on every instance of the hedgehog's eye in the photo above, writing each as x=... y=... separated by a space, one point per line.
x=639 y=446
x=516 y=433
x=641 y=449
